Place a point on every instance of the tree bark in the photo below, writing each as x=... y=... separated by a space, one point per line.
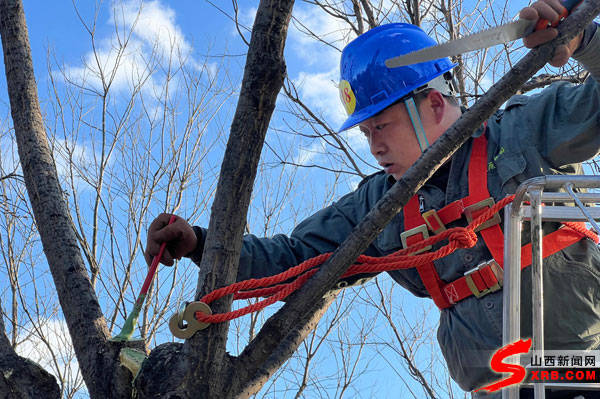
x=201 y=367
x=279 y=336
x=291 y=315
x=21 y=378
x=209 y=371
x=97 y=358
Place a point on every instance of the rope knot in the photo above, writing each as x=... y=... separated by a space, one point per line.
x=464 y=238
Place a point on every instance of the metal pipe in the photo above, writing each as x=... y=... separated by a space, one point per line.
x=537 y=283
x=569 y=188
x=565 y=197
x=562 y=213
x=551 y=183
x=511 y=295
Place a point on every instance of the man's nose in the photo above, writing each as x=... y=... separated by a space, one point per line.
x=377 y=144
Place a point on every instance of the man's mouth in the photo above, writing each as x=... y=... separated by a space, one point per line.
x=386 y=166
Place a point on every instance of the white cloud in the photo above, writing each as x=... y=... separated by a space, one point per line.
x=307 y=155
x=151 y=35
x=153 y=23
x=320 y=92
x=65 y=153
x=247 y=17
x=9 y=157
x=327 y=28
x=49 y=344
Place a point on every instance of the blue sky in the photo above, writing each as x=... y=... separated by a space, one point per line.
x=205 y=36
x=60 y=43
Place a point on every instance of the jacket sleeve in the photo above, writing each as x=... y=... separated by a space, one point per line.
x=322 y=232
x=563 y=120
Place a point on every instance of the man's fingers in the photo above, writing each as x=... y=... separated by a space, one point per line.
x=161 y=221
x=179 y=236
x=168 y=233
x=548 y=10
x=529 y=13
x=540 y=37
x=167 y=259
x=561 y=56
x=152 y=251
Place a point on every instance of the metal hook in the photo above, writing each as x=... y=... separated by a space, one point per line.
x=186 y=331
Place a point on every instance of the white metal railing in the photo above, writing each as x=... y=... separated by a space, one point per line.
x=515 y=213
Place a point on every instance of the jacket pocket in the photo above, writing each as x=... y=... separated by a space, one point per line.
x=506 y=172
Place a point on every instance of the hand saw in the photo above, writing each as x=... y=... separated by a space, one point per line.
x=487 y=38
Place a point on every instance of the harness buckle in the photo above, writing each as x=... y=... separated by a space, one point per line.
x=433 y=221
x=408 y=234
x=472 y=211
x=496 y=270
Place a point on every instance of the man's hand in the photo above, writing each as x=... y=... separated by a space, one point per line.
x=179 y=236
x=550 y=10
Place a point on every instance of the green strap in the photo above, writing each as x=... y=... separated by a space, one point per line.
x=413 y=113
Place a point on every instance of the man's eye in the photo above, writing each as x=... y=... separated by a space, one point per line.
x=381 y=126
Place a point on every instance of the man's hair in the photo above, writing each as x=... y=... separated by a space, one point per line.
x=420 y=96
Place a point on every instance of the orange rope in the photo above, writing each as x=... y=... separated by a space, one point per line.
x=458 y=237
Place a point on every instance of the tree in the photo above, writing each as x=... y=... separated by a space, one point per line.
x=201 y=366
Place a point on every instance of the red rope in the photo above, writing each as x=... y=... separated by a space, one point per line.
x=271 y=287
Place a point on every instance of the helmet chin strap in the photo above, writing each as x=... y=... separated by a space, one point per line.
x=413 y=113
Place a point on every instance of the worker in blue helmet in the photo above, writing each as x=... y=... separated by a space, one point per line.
x=401 y=112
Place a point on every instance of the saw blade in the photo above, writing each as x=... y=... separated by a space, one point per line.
x=486 y=38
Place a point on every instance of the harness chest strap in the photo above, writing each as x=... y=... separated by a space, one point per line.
x=486 y=277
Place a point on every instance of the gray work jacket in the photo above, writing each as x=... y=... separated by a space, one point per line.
x=547 y=133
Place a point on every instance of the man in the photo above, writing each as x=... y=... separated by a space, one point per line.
x=401 y=111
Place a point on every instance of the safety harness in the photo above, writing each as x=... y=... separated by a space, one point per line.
x=478 y=208
x=487 y=276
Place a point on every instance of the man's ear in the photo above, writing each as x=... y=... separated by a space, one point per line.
x=437 y=105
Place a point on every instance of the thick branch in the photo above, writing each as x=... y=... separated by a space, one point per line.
x=80 y=306
x=21 y=378
x=544 y=80
x=290 y=315
x=5 y=346
x=208 y=364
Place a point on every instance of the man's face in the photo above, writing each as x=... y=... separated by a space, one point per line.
x=392 y=138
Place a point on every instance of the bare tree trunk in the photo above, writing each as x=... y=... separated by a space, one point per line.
x=201 y=367
x=98 y=360
x=207 y=370
x=259 y=358
x=21 y=378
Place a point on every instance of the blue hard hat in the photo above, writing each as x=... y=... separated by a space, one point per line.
x=367 y=86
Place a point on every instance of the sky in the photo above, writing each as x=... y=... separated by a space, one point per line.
x=61 y=43
x=205 y=38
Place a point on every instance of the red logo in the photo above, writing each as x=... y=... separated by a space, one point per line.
x=347 y=97
x=517 y=372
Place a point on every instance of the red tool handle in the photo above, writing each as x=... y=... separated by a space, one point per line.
x=569 y=5
x=155 y=262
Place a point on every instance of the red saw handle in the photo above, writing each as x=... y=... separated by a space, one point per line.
x=569 y=5
x=154 y=265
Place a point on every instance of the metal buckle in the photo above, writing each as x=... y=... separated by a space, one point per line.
x=486 y=203
x=433 y=214
x=186 y=331
x=409 y=233
x=496 y=269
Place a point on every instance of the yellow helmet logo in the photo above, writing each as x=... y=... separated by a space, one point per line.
x=347 y=96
